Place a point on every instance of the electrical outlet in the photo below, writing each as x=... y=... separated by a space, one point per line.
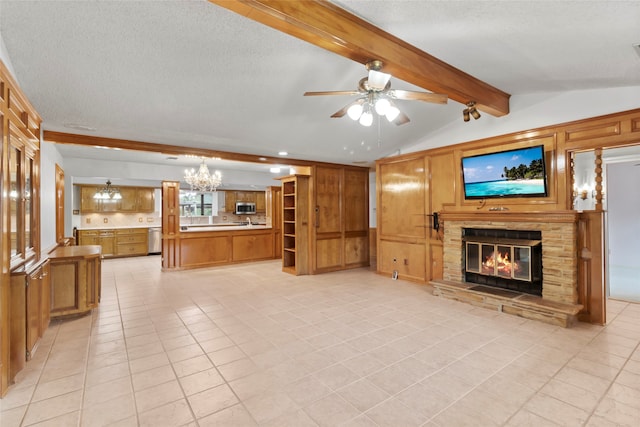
x=150 y=219
x=88 y=220
x=140 y=219
x=105 y=220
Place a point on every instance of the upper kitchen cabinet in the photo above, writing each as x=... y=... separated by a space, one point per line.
x=257 y=197
x=134 y=199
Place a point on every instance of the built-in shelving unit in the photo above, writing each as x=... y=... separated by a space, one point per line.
x=295 y=224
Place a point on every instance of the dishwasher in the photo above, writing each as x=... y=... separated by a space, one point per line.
x=155 y=240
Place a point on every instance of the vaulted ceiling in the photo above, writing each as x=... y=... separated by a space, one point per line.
x=194 y=74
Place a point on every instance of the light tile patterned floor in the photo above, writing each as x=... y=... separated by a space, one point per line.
x=248 y=345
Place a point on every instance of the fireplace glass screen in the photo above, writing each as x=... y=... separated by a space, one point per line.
x=504 y=258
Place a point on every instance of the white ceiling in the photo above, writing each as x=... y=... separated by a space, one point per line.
x=190 y=73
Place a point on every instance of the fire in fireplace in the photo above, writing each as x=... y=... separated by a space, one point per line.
x=508 y=259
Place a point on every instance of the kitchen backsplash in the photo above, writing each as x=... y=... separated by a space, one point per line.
x=223 y=218
x=99 y=220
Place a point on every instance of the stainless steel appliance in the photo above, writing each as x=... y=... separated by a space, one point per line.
x=245 y=208
x=155 y=240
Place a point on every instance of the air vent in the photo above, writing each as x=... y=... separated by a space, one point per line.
x=172 y=158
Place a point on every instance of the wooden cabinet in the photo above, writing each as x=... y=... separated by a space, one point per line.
x=131 y=241
x=103 y=237
x=129 y=201
x=30 y=312
x=75 y=279
x=117 y=242
x=146 y=200
x=134 y=199
x=257 y=197
x=261 y=203
x=295 y=224
x=20 y=212
x=87 y=203
x=325 y=220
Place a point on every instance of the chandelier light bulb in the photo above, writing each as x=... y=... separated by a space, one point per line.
x=355 y=111
x=382 y=106
x=392 y=112
x=366 y=119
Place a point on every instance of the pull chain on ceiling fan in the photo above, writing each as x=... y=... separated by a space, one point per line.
x=375 y=94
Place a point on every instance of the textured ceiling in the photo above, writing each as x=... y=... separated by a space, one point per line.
x=191 y=73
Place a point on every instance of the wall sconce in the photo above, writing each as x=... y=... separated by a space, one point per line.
x=470 y=111
x=585 y=192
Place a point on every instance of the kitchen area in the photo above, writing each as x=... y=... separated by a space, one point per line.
x=127 y=220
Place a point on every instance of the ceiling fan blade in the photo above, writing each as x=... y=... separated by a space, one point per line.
x=334 y=92
x=378 y=80
x=401 y=119
x=341 y=112
x=436 y=98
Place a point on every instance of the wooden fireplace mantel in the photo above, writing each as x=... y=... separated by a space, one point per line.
x=509 y=216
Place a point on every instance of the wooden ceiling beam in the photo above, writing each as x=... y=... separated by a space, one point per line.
x=173 y=150
x=330 y=27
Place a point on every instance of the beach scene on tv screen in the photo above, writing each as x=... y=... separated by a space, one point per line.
x=508 y=173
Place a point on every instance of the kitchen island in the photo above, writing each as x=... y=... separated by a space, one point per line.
x=212 y=245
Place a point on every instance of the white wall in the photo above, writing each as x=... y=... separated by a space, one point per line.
x=4 y=54
x=534 y=111
x=49 y=156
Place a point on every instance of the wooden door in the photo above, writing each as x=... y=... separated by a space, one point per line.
x=356 y=214
x=328 y=218
x=59 y=203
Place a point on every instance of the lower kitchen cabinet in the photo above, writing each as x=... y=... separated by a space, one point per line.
x=75 y=279
x=102 y=237
x=30 y=312
x=118 y=241
x=131 y=241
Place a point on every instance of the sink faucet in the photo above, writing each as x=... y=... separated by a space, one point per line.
x=249 y=221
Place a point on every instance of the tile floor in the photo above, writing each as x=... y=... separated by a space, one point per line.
x=247 y=345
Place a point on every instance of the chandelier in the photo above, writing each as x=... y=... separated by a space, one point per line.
x=203 y=180
x=108 y=193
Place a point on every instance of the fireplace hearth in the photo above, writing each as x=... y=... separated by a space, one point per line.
x=503 y=258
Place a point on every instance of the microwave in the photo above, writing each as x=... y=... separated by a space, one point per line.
x=245 y=208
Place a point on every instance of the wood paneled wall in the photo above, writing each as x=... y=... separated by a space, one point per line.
x=414 y=186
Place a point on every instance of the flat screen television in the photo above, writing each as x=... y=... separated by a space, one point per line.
x=513 y=173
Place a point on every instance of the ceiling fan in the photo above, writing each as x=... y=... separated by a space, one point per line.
x=375 y=94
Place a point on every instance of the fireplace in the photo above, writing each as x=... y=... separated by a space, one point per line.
x=503 y=258
x=558 y=234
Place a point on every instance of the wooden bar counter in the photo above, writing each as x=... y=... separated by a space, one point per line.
x=75 y=279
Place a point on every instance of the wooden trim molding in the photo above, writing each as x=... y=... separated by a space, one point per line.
x=505 y=216
x=177 y=150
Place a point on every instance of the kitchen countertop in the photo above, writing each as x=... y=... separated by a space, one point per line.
x=191 y=229
x=114 y=227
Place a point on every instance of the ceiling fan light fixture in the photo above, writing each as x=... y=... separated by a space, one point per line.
x=366 y=119
x=392 y=112
x=382 y=106
x=355 y=111
x=378 y=80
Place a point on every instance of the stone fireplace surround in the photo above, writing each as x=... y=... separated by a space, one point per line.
x=559 y=302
